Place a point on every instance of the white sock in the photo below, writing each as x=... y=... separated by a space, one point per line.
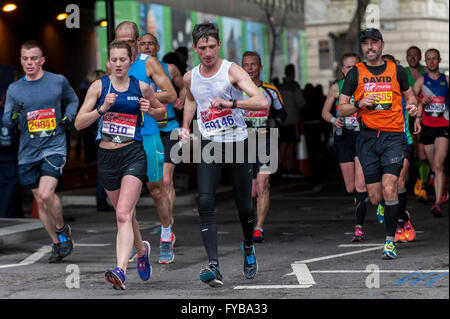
x=166 y=233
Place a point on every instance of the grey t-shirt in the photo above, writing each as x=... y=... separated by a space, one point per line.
x=41 y=134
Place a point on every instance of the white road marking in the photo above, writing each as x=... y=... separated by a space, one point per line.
x=42 y=252
x=380 y=271
x=338 y=255
x=360 y=245
x=274 y=287
x=301 y=271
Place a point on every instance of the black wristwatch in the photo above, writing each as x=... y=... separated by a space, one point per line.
x=356 y=104
x=234 y=104
x=100 y=112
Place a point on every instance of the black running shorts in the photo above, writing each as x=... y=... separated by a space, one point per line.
x=344 y=146
x=114 y=164
x=380 y=153
x=429 y=134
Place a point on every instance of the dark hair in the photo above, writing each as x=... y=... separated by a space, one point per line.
x=350 y=55
x=415 y=48
x=389 y=57
x=289 y=70
x=30 y=44
x=435 y=50
x=252 y=53
x=205 y=30
x=116 y=44
x=154 y=38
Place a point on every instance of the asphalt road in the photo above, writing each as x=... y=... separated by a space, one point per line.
x=307 y=254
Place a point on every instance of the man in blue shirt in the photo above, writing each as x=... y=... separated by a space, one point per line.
x=34 y=102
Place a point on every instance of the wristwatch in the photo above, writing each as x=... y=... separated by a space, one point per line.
x=100 y=112
x=356 y=104
x=234 y=104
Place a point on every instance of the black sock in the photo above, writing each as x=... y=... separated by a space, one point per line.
x=361 y=207
x=403 y=217
x=391 y=213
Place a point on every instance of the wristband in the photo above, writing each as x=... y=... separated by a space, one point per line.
x=234 y=104
x=333 y=119
x=356 y=104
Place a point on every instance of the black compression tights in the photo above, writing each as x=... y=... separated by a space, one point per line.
x=208 y=176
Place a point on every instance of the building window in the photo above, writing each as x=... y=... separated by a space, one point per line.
x=324 y=55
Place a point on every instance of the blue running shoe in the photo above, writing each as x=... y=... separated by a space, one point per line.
x=211 y=275
x=380 y=213
x=389 y=251
x=250 y=264
x=143 y=264
x=166 y=254
x=116 y=277
x=65 y=241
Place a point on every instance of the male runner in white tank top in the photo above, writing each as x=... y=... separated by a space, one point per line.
x=215 y=90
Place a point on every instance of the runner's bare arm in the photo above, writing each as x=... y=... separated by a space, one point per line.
x=328 y=105
x=150 y=104
x=345 y=108
x=190 y=105
x=87 y=113
x=410 y=101
x=256 y=101
x=156 y=72
x=177 y=79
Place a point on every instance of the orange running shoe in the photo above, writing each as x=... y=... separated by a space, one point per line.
x=400 y=235
x=423 y=196
x=408 y=230
x=418 y=187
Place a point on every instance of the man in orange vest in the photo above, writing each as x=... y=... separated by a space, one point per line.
x=378 y=87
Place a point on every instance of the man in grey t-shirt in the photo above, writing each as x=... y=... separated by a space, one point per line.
x=35 y=102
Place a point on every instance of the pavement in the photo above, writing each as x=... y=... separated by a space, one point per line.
x=15 y=231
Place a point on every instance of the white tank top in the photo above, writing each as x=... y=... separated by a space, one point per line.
x=226 y=125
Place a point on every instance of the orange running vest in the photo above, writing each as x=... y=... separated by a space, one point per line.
x=387 y=114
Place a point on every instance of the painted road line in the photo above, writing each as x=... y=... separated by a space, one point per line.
x=430 y=282
x=360 y=245
x=414 y=272
x=274 y=287
x=307 y=261
x=300 y=271
x=42 y=252
x=31 y=259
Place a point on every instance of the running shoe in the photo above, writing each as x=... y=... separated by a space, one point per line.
x=166 y=254
x=436 y=210
x=55 y=257
x=116 y=277
x=133 y=255
x=143 y=264
x=358 y=234
x=380 y=213
x=389 y=251
x=258 y=236
x=410 y=233
x=418 y=187
x=400 y=235
x=211 y=275
x=423 y=196
x=250 y=264
x=65 y=240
